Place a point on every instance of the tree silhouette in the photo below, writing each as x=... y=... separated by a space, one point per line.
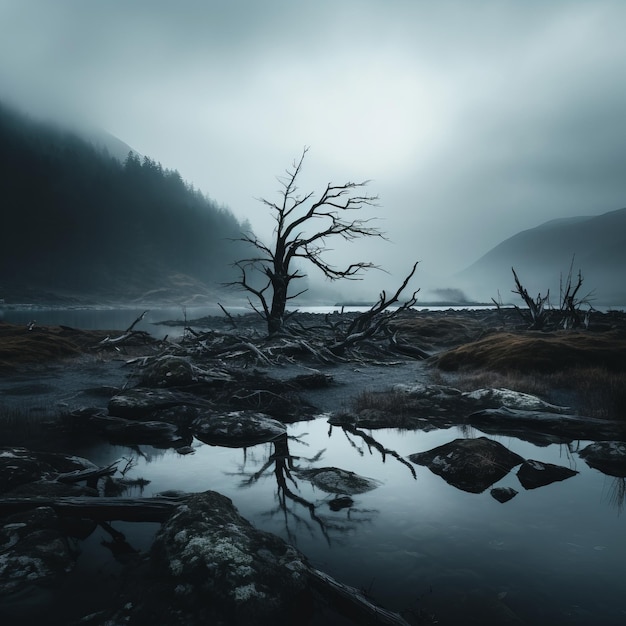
x=330 y=213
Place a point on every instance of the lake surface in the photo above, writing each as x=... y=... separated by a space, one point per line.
x=116 y=318
x=555 y=555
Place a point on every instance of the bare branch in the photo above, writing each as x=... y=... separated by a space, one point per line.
x=304 y=224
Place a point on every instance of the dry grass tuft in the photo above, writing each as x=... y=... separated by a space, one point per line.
x=438 y=330
x=538 y=352
x=20 y=346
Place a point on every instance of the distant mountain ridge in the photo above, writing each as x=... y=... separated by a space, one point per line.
x=543 y=254
x=80 y=221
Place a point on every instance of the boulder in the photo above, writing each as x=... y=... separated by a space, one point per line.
x=609 y=457
x=533 y=474
x=131 y=432
x=338 y=481
x=211 y=566
x=469 y=464
x=167 y=371
x=496 y=397
x=237 y=429
x=141 y=403
x=33 y=550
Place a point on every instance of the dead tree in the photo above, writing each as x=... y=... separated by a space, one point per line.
x=304 y=224
x=376 y=318
x=538 y=308
x=571 y=302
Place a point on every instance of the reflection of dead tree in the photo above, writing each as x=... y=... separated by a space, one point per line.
x=617 y=493
x=284 y=466
x=372 y=443
x=121 y=550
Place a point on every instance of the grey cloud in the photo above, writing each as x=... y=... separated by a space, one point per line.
x=474 y=120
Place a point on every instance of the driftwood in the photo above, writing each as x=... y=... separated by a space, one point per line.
x=352 y=602
x=99 y=509
x=89 y=475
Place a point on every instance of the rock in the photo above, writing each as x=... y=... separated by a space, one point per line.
x=533 y=474
x=503 y=494
x=496 y=397
x=469 y=464
x=33 y=550
x=237 y=429
x=339 y=481
x=315 y=380
x=130 y=432
x=139 y=403
x=557 y=427
x=167 y=371
x=609 y=457
x=210 y=566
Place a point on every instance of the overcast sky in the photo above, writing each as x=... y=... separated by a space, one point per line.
x=473 y=119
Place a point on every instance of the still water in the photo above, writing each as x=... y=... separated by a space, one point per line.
x=555 y=555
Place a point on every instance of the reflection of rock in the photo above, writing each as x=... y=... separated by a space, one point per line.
x=533 y=474
x=32 y=550
x=503 y=494
x=469 y=464
x=237 y=429
x=210 y=566
x=608 y=456
x=556 y=427
x=340 y=502
x=335 y=480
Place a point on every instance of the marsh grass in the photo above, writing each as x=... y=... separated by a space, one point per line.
x=21 y=427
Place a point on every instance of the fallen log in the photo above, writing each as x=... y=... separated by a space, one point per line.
x=351 y=601
x=98 y=509
x=89 y=475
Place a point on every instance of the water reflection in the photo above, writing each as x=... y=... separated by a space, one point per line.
x=617 y=494
x=371 y=443
x=289 y=472
x=476 y=556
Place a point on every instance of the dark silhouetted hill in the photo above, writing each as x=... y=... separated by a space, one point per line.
x=543 y=254
x=77 y=221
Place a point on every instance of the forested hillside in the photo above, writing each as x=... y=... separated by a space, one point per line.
x=78 y=221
